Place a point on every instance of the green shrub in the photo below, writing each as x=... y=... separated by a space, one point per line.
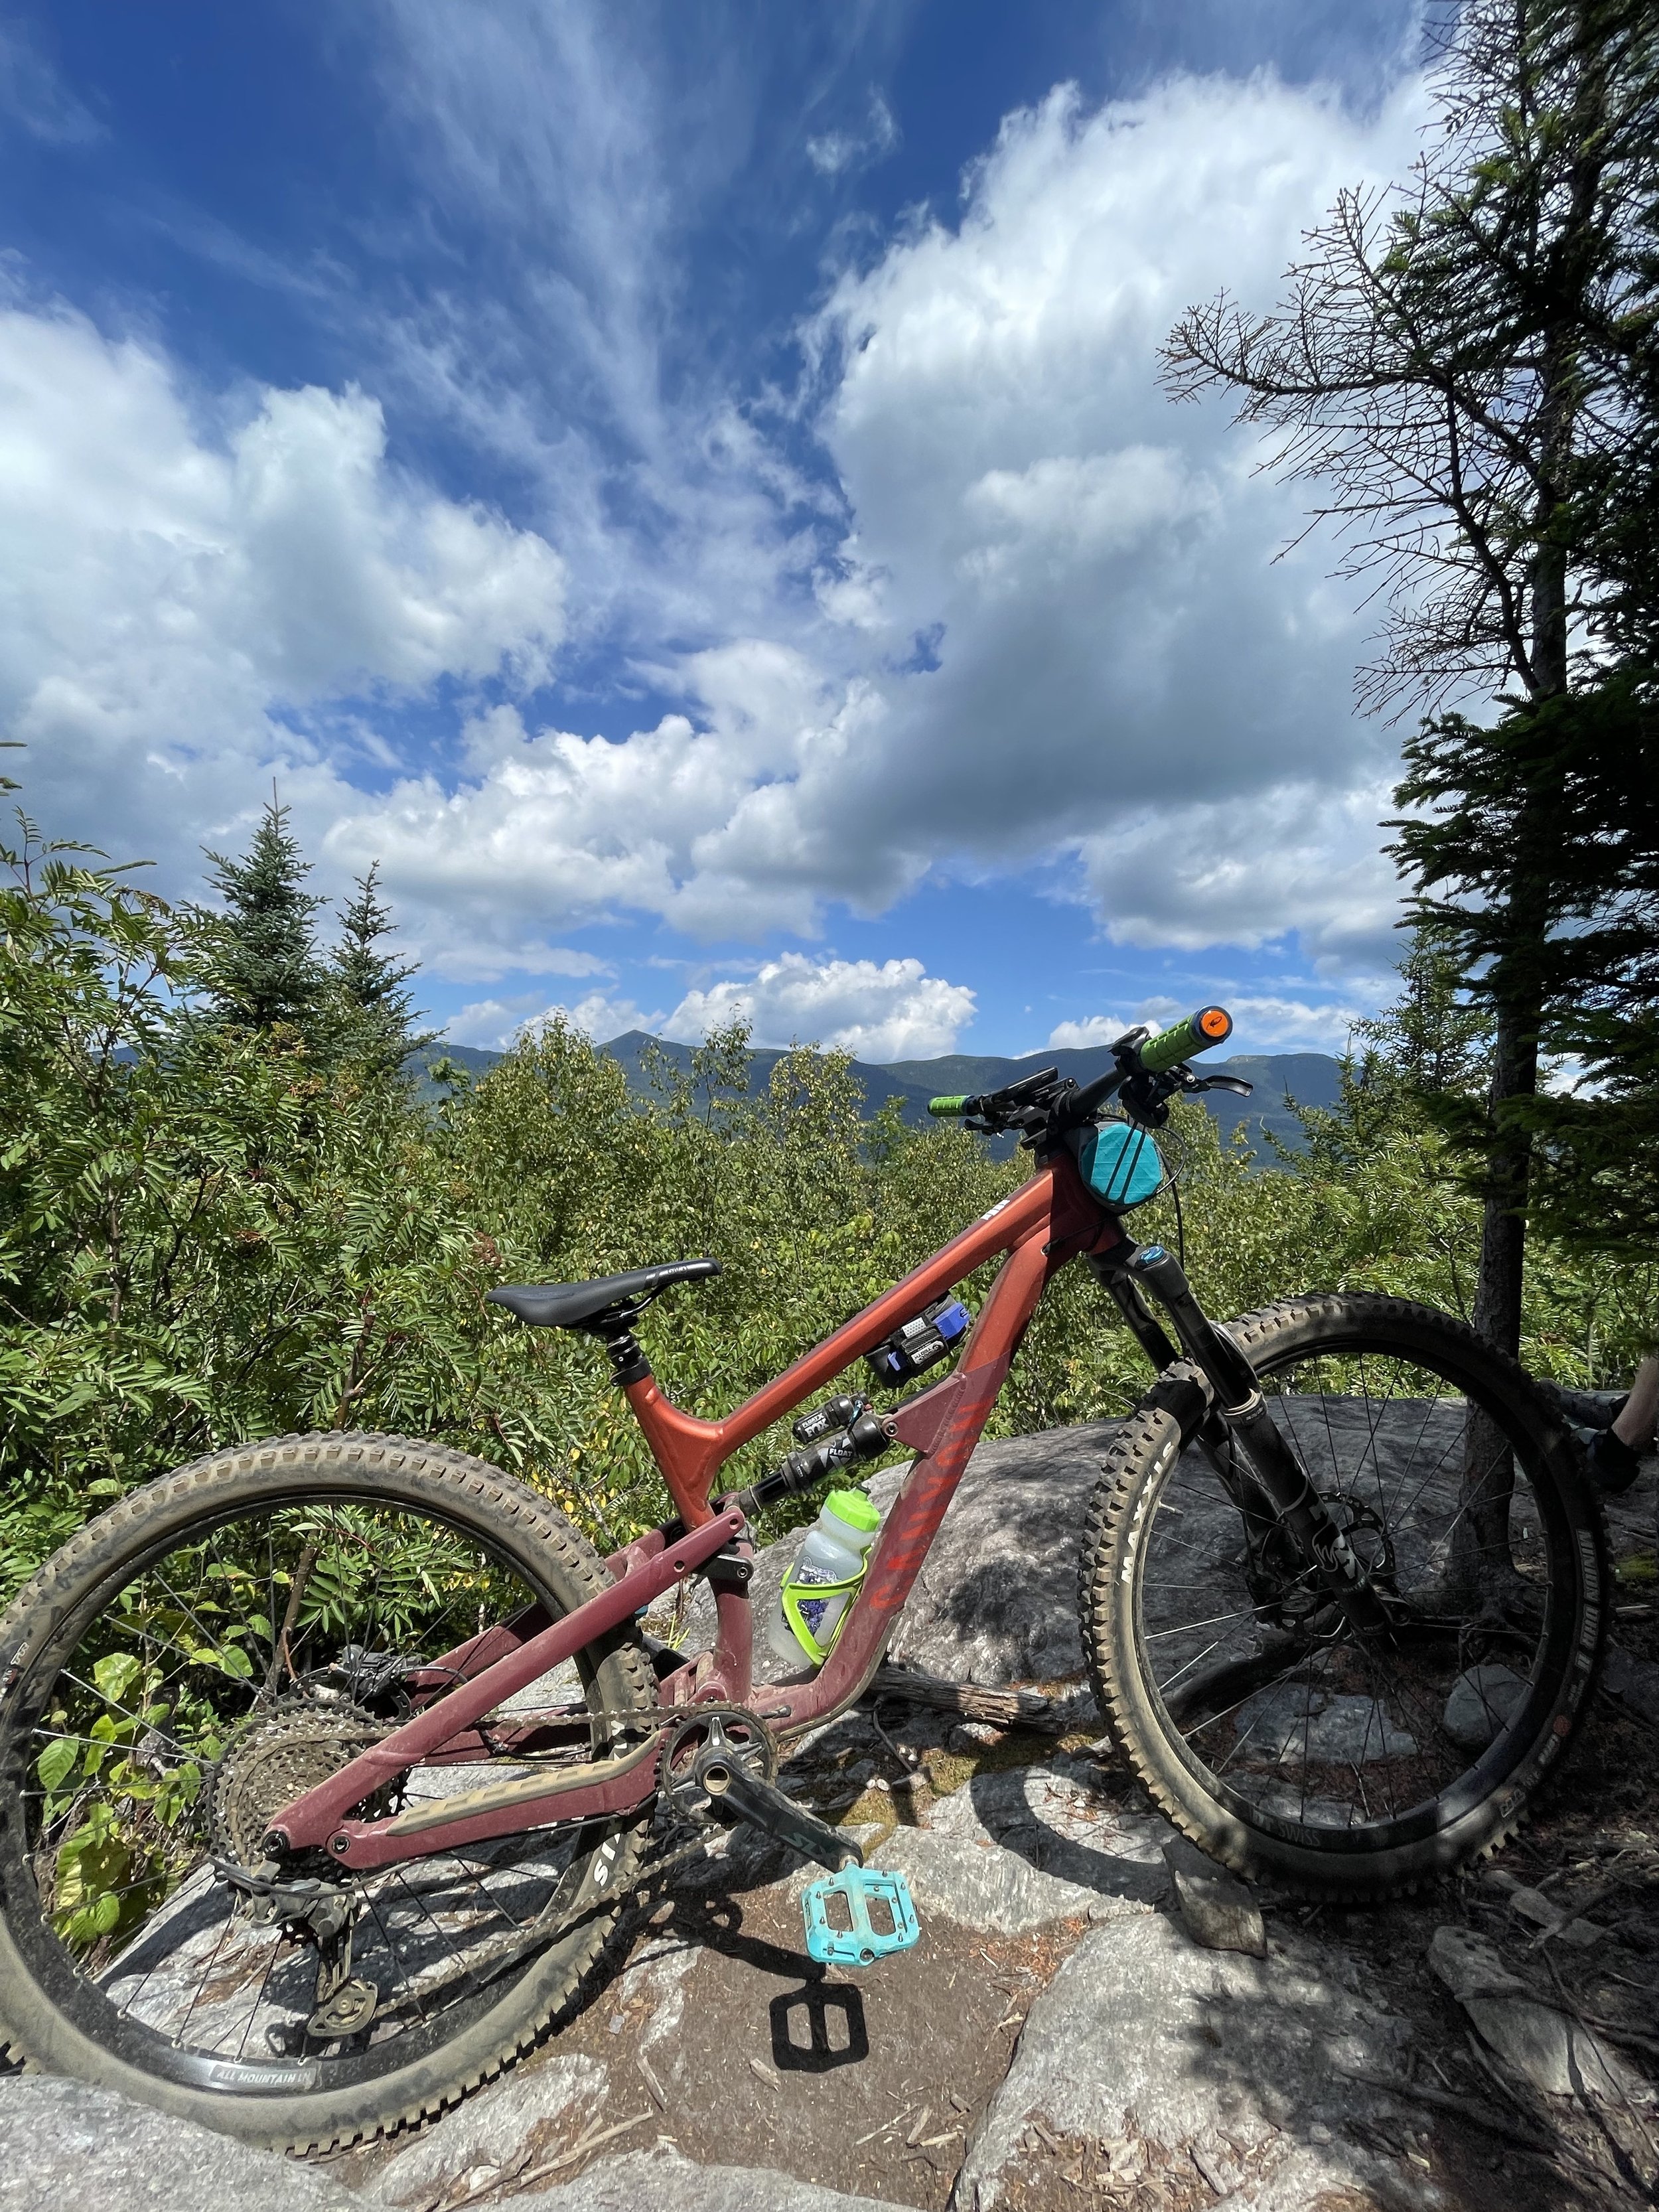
x=208 y=1234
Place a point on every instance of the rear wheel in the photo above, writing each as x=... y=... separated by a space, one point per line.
x=212 y=1646
x=1292 y=1746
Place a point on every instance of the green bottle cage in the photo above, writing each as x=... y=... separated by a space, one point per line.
x=794 y=1592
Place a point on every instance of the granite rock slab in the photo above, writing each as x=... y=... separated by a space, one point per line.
x=662 y=2181
x=1165 y=2058
x=68 y=2147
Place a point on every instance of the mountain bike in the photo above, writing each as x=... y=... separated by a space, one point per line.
x=327 y=1763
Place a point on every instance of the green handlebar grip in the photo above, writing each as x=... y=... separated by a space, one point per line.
x=945 y=1106
x=1209 y=1026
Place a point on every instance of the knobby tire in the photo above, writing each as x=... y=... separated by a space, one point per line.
x=54 y=2017
x=1196 y=1771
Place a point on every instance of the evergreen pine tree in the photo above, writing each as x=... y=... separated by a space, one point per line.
x=1434 y=1043
x=263 y=965
x=1466 y=363
x=377 y=1011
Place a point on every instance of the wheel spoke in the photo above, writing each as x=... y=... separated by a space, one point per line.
x=119 y=1832
x=1352 y=1730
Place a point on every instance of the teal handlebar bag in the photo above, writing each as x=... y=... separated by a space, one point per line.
x=1119 y=1162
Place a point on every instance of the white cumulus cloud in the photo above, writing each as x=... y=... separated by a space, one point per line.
x=187 y=601
x=1196 y=872
x=893 y=1010
x=1055 y=630
x=1045 y=624
x=1260 y=1025
x=497 y=1024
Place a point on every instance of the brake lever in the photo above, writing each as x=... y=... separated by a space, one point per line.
x=1233 y=1083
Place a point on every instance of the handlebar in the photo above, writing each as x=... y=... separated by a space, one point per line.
x=1134 y=1056
x=1201 y=1032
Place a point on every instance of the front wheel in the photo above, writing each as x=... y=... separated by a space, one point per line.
x=1344 y=1760
x=189 y=1662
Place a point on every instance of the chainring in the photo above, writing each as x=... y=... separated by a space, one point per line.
x=747 y=1741
x=273 y=1760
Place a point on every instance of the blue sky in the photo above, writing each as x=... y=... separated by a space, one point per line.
x=683 y=486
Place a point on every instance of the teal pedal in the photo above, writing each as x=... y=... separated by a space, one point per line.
x=860 y=1943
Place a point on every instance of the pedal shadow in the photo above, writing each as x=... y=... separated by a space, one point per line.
x=816 y=2027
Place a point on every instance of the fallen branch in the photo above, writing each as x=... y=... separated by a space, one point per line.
x=1628 y=1712
x=1464 y=2107
x=1001 y=1708
x=1597 y=1897
x=522 y=2180
x=1565 y=2146
x=1614 y=2032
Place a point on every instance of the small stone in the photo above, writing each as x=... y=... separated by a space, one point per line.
x=1218 y=1910
x=970 y=1736
x=1543 y=1912
x=1634 y=1681
x=1319 y=2133
x=1481 y=1701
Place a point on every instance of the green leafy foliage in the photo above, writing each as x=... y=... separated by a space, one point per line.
x=209 y=1234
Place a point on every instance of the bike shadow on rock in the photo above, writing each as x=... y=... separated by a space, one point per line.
x=755 y=2055
x=1017 y=1847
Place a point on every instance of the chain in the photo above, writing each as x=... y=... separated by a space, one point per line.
x=638 y=1717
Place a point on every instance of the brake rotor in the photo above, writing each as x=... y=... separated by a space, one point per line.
x=272 y=1761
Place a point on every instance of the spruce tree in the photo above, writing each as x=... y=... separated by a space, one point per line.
x=1562 y=797
x=377 y=1014
x=1433 y=1045
x=1463 y=361
x=1464 y=364
x=263 y=966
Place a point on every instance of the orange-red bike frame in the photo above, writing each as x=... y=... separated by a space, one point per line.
x=1049 y=1220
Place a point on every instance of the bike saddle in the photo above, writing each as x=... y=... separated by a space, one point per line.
x=573 y=1305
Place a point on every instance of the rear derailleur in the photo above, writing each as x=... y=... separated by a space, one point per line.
x=320 y=1913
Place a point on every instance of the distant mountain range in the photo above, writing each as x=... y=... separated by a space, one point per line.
x=1312 y=1078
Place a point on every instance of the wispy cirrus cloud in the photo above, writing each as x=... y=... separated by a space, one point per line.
x=34 y=96
x=1054 y=630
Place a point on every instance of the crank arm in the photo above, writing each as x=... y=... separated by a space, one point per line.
x=734 y=1794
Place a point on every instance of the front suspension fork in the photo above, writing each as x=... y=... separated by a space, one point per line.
x=1255 y=1508
x=1239 y=1410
